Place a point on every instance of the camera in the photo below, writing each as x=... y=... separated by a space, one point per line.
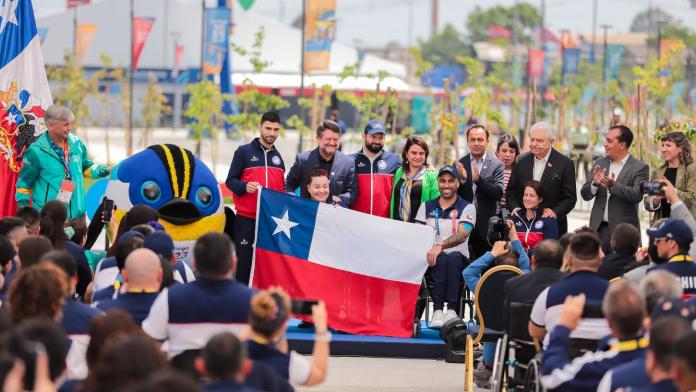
x=497 y=230
x=652 y=188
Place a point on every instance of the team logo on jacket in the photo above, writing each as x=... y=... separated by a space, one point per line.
x=360 y=164
x=254 y=158
x=539 y=225
x=276 y=160
x=382 y=164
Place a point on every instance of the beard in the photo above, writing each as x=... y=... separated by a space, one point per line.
x=374 y=148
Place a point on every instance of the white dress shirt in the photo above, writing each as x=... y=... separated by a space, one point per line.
x=479 y=165
x=614 y=171
x=539 y=166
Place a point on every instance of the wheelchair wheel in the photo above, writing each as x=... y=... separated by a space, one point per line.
x=531 y=378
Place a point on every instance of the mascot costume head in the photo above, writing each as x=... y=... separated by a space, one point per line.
x=175 y=183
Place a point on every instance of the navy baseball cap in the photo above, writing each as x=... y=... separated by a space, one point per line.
x=673 y=229
x=374 y=127
x=130 y=234
x=161 y=243
x=447 y=169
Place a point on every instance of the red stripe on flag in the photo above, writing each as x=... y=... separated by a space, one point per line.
x=355 y=303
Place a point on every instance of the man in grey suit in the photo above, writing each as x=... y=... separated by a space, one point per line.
x=615 y=185
x=481 y=183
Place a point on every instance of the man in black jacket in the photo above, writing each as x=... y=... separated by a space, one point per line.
x=554 y=170
x=339 y=166
x=625 y=241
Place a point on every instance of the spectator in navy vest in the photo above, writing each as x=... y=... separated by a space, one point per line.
x=162 y=244
x=625 y=241
x=531 y=224
x=254 y=165
x=481 y=178
x=15 y=231
x=374 y=171
x=340 y=166
x=142 y=279
x=76 y=316
x=222 y=363
x=268 y=344
x=624 y=311
x=108 y=274
x=673 y=238
x=187 y=315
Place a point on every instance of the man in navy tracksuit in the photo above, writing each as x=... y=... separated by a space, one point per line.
x=673 y=239
x=374 y=170
x=254 y=165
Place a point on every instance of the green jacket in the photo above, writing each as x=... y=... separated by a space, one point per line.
x=685 y=184
x=430 y=190
x=43 y=172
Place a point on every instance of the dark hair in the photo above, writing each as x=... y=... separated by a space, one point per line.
x=32 y=248
x=330 y=125
x=62 y=259
x=126 y=362
x=663 y=333
x=7 y=252
x=315 y=171
x=625 y=238
x=38 y=291
x=79 y=225
x=9 y=224
x=624 y=308
x=223 y=356
x=105 y=327
x=51 y=336
x=268 y=312
x=168 y=380
x=137 y=215
x=625 y=134
x=270 y=116
x=548 y=253
x=588 y=230
x=413 y=140
x=681 y=141
x=126 y=247
x=584 y=246
x=565 y=240
x=144 y=228
x=53 y=217
x=212 y=255
x=537 y=186
x=510 y=141
x=167 y=273
x=29 y=215
x=684 y=349
x=477 y=126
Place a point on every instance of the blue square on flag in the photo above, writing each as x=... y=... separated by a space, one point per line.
x=285 y=223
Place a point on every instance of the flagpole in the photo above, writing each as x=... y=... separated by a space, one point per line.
x=74 y=41
x=302 y=71
x=202 y=35
x=129 y=135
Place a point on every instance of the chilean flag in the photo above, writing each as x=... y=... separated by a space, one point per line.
x=367 y=269
x=24 y=93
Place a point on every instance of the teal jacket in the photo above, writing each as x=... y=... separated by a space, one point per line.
x=429 y=192
x=43 y=172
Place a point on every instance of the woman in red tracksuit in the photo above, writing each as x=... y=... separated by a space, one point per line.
x=531 y=227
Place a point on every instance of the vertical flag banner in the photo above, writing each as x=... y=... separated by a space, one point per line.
x=217 y=28
x=141 y=29
x=367 y=269
x=85 y=36
x=571 y=61
x=535 y=66
x=320 y=30
x=178 y=55
x=24 y=93
x=77 y=3
x=612 y=58
x=246 y=4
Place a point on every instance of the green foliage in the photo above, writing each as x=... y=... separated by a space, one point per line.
x=444 y=47
x=255 y=52
x=73 y=87
x=687 y=126
x=479 y=102
x=154 y=105
x=422 y=65
x=204 y=111
x=371 y=104
x=661 y=87
x=521 y=19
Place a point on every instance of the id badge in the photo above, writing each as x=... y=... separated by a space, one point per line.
x=66 y=190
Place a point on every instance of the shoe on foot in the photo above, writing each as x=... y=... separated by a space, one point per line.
x=451 y=314
x=438 y=319
x=482 y=375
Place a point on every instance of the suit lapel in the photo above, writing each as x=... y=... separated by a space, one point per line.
x=625 y=170
x=548 y=169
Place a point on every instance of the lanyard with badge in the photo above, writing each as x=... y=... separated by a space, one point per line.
x=67 y=186
x=453 y=214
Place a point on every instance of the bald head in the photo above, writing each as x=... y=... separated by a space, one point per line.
x=143 y=270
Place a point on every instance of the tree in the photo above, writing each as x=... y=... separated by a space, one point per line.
x=444 y=47
x=520 y=19
x=73 y=89
x=205 y=115
x=154 y=105
x=109 y=76
x=646 y=21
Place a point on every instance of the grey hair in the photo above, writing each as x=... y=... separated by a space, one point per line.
x=58 y=113
x=658 y=285
x=545 y=127
x=624 y=306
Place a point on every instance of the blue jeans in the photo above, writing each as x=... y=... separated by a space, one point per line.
x=447 y=276
x=488 y=353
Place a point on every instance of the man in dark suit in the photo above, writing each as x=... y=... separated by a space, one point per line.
x=554 y=170
x=481 y=183
x=339 y=166
x=615 y=185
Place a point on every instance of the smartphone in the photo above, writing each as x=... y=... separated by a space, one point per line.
x=303 y=306
x=108 y=210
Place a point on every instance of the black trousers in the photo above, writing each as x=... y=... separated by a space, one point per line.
x=244 y=231
x=477 y=245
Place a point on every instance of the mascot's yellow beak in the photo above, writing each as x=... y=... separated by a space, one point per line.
x=186 y=231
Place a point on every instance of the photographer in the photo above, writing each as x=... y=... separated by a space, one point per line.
x=503 y=253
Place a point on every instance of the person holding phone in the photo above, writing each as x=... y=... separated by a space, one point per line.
x=268 y=321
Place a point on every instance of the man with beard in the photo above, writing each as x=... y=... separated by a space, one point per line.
x=340 y=166
x=254 y=165
x=374 y=169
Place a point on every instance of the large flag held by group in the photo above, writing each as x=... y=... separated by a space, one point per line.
x=24 y=93
x=367 y=269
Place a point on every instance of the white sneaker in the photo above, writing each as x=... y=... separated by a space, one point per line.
x=438 y=319
x=451 y=314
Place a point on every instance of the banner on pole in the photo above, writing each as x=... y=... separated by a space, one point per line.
x=535 y=66
x=571 y=61
x=77 y=3
x=217 y=28
x=84 y=38
x=320 y=30
x=141 y=29
x=178 y=55
x=612 y=59
x=24 y=95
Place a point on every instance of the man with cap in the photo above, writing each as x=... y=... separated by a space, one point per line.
x=374 y=170
x=162 y=244
x=453 y=218
x=673 y=239
x=481 y=178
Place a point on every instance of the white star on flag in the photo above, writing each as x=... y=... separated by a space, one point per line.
x=7 y=13
x=284 y=224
